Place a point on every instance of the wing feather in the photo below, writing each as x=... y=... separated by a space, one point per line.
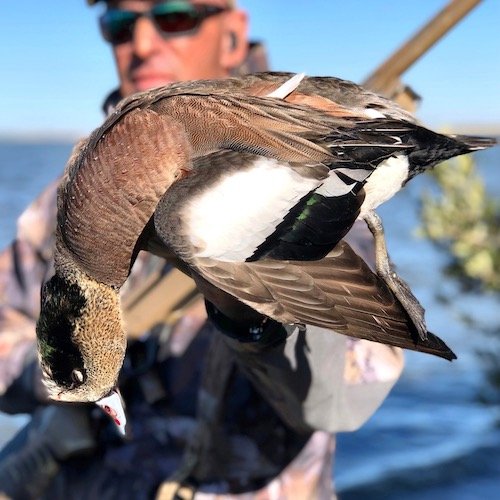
x=347 y=297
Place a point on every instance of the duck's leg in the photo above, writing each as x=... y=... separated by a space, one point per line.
x=385 y=270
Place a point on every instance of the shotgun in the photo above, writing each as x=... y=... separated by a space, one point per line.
x=386 y=80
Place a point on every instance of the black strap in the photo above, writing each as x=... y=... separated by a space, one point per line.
x=266 y=332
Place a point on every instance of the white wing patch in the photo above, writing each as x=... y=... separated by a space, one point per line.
x=385 y=182
x=231 y=219
x=334 y=186
x=288 y=87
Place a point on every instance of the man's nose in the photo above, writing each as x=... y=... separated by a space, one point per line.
x=144 y=37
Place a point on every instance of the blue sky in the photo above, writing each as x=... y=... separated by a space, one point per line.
x=56 y=69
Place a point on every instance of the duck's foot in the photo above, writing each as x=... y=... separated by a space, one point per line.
x=385 y=270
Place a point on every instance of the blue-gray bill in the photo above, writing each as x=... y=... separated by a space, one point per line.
x=113 y=406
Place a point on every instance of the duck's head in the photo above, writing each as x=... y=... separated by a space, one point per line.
x=81 y=341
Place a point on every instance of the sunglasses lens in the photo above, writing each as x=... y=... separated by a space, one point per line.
x=176 y=22
x=117 y=25
x=175 y=17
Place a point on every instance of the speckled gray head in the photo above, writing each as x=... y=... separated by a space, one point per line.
x=81 y=343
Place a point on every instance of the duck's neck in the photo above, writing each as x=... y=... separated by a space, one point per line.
x=113 y=189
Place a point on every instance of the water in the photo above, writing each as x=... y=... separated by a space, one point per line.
x=432 y=438
x=25 y=168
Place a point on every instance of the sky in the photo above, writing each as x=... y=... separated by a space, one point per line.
x=56 y=70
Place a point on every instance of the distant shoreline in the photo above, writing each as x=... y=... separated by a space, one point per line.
x=60 y=137
x=490 y=129
x=39 y=138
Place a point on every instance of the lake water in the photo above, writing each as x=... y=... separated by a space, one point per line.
x=432 y=438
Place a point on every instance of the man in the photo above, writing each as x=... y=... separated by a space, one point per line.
x=212 y=411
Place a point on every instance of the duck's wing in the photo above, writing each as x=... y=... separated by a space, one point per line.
x=339 y=292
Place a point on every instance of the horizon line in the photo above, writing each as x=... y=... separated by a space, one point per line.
x=39 y=136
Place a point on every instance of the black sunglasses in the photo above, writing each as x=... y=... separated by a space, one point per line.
x=117 y=26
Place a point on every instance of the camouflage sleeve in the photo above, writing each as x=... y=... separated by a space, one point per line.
x=24 y=265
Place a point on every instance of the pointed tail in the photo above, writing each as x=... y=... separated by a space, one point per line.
x=432 y=148
x=433 y=345
x=474 y=143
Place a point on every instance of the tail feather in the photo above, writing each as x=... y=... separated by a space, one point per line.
x=431 y=148
x=475 y=143
x=433 y=345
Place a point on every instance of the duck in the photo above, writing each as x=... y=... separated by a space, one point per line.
x=249 y=185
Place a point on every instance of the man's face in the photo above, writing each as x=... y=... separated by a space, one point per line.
x=151 y=59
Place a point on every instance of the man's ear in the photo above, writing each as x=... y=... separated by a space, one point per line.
x=235 y=40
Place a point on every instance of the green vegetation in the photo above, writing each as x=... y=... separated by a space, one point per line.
x=463 y=220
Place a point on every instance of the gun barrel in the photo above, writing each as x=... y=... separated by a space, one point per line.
x=386 y=76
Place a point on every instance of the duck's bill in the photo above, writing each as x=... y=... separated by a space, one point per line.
x=112 y=405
